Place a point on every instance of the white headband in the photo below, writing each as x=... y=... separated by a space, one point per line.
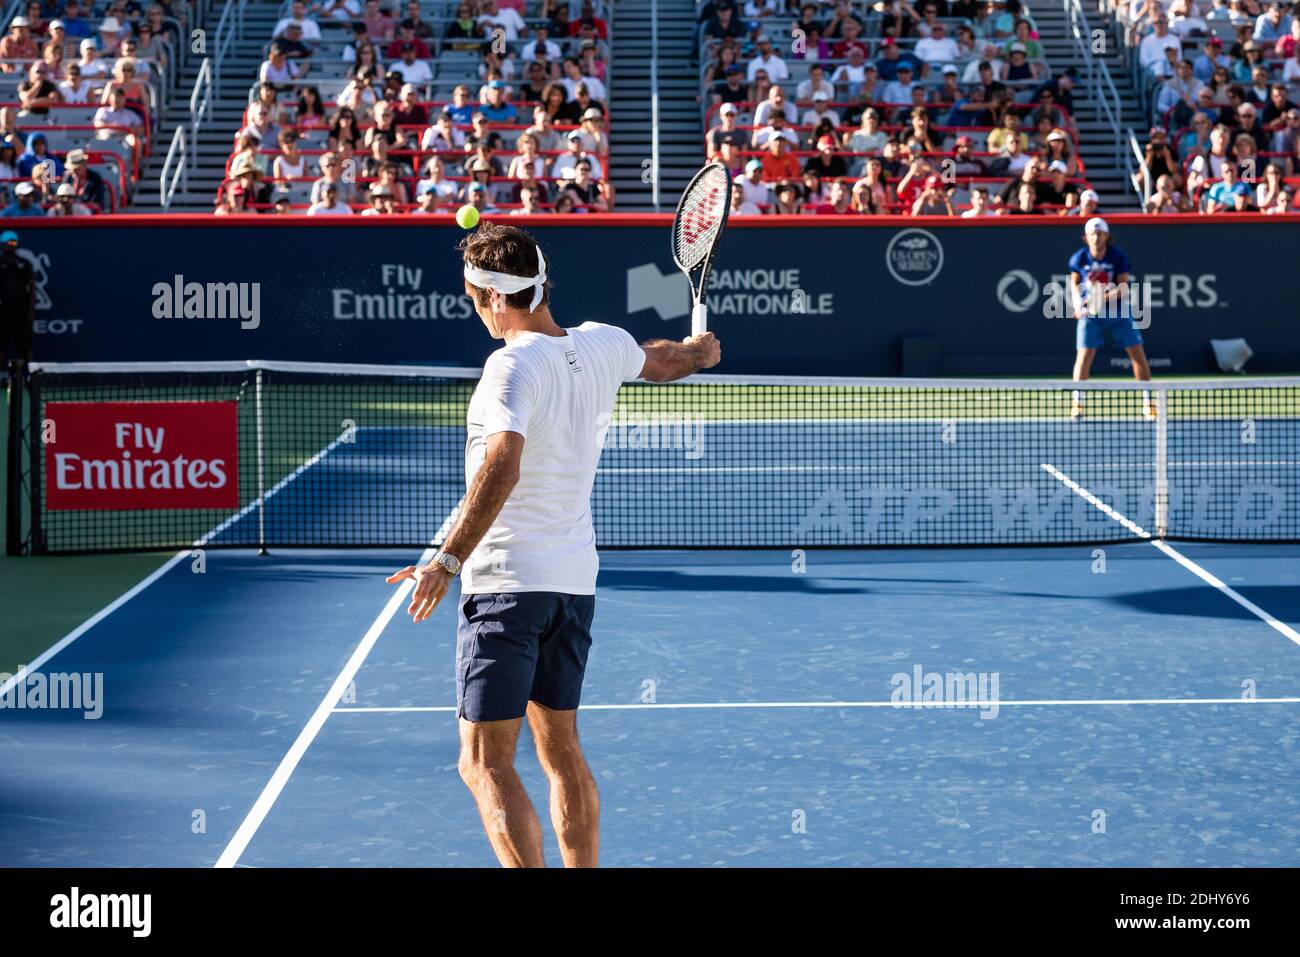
x=506 y=284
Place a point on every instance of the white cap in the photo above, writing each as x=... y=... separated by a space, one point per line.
x=728 y=108
x=24 y=189
x=821 y=95
x=20 y=22
x=1096 y=225
x=1057 y=165
x=1089 y=194
x=66 y=189
x=110 y=25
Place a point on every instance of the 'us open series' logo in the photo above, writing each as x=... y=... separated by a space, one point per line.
x=914 y=257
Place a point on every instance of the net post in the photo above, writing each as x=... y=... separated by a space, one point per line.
x=261 y=470
x=14 y=471
x=1162 y=462
x=35 y=462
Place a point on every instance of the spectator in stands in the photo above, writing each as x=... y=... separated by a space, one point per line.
x=767 y=60
x=405 y=35
x=463 y=26
x=1273 y=114
x=937 y=48
x=1018 y=68
x=964 y=160
x=1025 y=202
x=408 y=111
x=592 y=128
x=1211 y=56
x=897 y=19
x=1166 y=198
x=507 y=20
x=528 y=162
x=979 y=203
x=740 y=206
x=442 y=136
x=18 y=44
x=37 y=152
x=827 y=162
x=277 y=70
x=73 y=25
x=900 y=89
x=774 y=104
x=360 y=95
x=724 y=25
x=110 y=37
x=838 y=203
x=1151 y=51
x=1178 y=96
x=573 y=77
x=1089 y=205
x=1268 y=192
x=1248 y=125
x=290 y=164
x=482 y=136
x=497 y=107
x=332 y=178
x=87 y=183
x=436 y=182
x=732 y=89
x=1028 y=173
x=582 y=101
x=1286 y=139
x=867 y=139
x=820 y=111
x=725 y=132
x=309 y=111
x=565 y=164
x=1229 y=194
x=66 y=202
x=548 y=137
x=382 y=201
x=1197 y=139
x=933 y=199
x=24 y=202
x=266 y=95
x=595 y=196
x=785 y=199
x=587 y=18
x=848 y=78
x=778 y=161
x=329 y=203
x=1002 y=22
x=1273 y=24
x=476 y=195
x=751 y=183
x=1058 y=190
x=232 y=201
x=379 y=25
x=309 y=28
x=1158 y=157
x=1243 y=68
x=413 y=71
x=38 y=93
x=1209 y=164
x=1009 y=130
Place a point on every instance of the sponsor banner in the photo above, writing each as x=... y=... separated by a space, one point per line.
x=141 y=455
x=883 y=298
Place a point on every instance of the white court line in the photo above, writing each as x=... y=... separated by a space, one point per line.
x=907 y=706
x=1205 y=576
x=289 y=763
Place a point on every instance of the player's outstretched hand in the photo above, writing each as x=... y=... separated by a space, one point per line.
x=708 y=348
x=431 y=583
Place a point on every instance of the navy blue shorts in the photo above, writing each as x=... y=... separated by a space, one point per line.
x=512 y=648
x=1093 y=333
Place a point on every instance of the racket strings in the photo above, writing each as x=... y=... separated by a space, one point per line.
x=702 y=215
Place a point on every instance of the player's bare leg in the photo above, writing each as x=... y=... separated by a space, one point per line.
x=1082 y=367
x=1142 y=372
x=575 y=802
x=487 y=766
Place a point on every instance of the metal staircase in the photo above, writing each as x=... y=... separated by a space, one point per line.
x=1101 y=147
x=237 y=36
x=632 y=107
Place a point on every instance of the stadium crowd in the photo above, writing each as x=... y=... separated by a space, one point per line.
x=1222 y=79
x=380 y=109
x=940 y=107
x=80 y=86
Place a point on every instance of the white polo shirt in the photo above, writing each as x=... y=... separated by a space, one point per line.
x=558 y=393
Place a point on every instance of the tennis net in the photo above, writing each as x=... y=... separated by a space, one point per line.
x=115 y=457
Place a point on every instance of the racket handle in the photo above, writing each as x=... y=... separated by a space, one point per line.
x=699 y=319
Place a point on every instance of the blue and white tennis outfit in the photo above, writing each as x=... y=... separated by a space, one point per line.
x=1093 y=332
x=528 y=589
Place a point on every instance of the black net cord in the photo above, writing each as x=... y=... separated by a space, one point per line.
x=14 y=460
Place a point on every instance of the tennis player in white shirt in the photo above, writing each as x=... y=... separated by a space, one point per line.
x=524 y=544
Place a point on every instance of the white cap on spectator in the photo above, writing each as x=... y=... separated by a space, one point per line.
x=574 y=135
x=1055 y=135
x=592 y=113
x=1089 y=194
x=753 y=164
x=24 y=189
x=57 y=25
x=110 y=25
x=66 y=189
x=1096 y=225
x=20 y=22
x=1058 y=167
x=821 y=95
x=380 y=189
x=728 y=108
x=88 y=44
x=407 y=88
x=76 y=157
x=950 y=68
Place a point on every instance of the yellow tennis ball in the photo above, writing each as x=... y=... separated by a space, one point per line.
x=467 y=217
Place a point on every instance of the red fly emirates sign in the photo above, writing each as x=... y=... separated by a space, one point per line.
x=141 y=455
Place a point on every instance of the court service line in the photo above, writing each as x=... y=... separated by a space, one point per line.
x=1163 y=546
x=289 y=763
x=897 y=705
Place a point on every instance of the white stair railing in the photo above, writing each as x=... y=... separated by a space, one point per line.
x=201 y=98
x=175 y=169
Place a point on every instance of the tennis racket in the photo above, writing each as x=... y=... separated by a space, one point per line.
x=697 y=227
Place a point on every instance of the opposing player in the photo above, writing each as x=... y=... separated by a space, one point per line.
x=1099 y=286
x=525 y=540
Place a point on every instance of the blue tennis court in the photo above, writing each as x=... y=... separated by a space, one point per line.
x=1129 y=703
